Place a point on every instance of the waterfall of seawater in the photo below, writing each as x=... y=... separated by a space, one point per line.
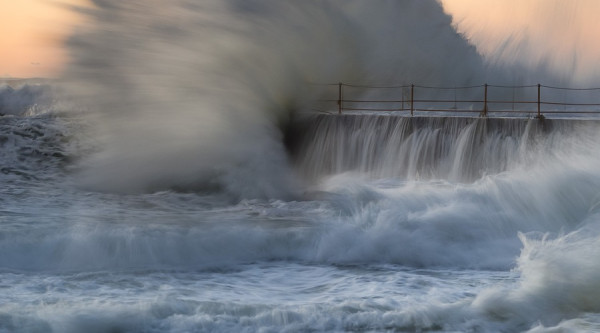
x=448 y=148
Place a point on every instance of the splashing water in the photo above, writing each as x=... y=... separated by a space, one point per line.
x=184 y=94
x=168 y=201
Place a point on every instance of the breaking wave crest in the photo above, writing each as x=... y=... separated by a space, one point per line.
x=26 y=99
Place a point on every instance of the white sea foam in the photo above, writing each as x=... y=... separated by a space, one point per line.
x=347 y=218
x=559 y=278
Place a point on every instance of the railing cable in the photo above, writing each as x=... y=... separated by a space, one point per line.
x=483 y=102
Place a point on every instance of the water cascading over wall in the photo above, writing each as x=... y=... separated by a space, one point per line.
x=449 y=148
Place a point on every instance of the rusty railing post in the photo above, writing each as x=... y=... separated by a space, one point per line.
x=412 y=99
x=340 y=98
x=485 y=100
x=539 y=101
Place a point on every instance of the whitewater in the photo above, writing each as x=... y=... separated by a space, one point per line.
x=176 y=180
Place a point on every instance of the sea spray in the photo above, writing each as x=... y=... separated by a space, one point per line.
x=366 y=248
x=193 y=96
x=559 y=279
x=350 y=217
x=419 y=232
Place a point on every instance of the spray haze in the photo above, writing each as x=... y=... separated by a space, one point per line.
x=189 y=95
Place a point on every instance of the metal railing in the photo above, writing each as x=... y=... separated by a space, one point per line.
x=486 y=100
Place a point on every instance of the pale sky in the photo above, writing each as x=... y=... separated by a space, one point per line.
x=562 y=33
x=32 y=36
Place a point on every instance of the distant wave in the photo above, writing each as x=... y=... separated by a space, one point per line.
x=24 y=98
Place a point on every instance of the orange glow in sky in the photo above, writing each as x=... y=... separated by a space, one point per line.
x=32 y=36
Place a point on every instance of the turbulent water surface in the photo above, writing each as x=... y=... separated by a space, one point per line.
x=171 y=183
x=402 y=224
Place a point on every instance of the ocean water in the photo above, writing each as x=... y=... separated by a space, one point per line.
x=174 y=181
x=401 y=224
